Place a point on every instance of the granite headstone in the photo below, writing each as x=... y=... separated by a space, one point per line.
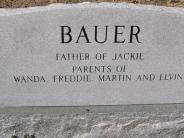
x=91 y=54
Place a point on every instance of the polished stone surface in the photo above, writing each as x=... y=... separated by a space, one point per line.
x=148 y=70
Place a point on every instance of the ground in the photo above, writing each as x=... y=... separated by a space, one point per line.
x=28 y=3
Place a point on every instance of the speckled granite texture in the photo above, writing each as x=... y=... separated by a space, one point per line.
x=93 y=124
x=162 y=121
x=90 y=125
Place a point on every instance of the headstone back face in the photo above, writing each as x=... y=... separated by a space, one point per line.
x=91 y=54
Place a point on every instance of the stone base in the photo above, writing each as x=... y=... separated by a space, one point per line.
x=164 y=121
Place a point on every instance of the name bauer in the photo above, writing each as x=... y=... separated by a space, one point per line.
x=121 y=34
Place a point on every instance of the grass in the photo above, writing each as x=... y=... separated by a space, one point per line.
x=29 y=3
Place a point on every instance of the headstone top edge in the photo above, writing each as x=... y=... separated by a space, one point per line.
x=123 y=5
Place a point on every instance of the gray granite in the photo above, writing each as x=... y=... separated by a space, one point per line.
x=32 y=47
x=122 y=121
x=89 y=124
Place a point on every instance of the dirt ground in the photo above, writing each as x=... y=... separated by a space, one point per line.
x=28 y=3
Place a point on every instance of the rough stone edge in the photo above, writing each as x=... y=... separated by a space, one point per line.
x=17 y=11
x=157 y=108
